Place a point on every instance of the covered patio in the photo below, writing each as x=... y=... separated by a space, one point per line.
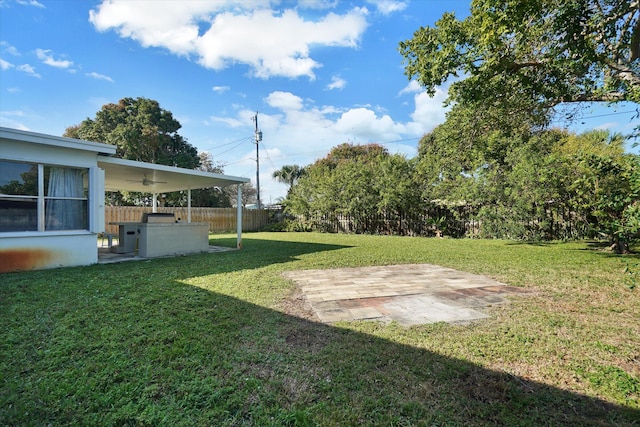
x=157 y=239
x=52 y=202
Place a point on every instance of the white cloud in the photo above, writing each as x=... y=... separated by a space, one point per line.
x=219 y=34
x=11 y=50
x=7 y=123
x=98 y=76
x=220 y=89
x=11 y=119
x=4 y=65
x=324 y=127
x=412 y=87
x=387 y=7
x=26 y=68
x=169 y=24
x=47 y=59
x=317 y=4
x=15 y=113
x=263 y=41
x=284 y=101
x=607 y=126
x=337 y=83
x=30 y=3
x=297 y=131
x=233 y=123
x=429 y=111
x=364 y=123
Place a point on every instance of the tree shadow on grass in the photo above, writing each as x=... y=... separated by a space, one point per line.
x=161 y=352
x=541 y=243
x=603 y=248
x=595 y=246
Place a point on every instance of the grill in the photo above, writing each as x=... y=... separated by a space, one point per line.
x=129 y=232
x=148 y=217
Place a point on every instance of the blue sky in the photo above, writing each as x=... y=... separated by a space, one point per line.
x=318 y=72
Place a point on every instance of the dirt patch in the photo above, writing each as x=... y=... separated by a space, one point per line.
x=296 y=304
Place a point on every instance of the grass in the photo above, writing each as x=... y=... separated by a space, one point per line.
x=220 y=339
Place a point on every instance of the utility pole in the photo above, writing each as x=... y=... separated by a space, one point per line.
x=258 y=139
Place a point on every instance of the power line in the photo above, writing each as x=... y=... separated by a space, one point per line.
x=579 y=117
x=396 y=141
x=228 y=143
x=609 y=114
x=266 y=153
x=232 y=148
x=302 y=153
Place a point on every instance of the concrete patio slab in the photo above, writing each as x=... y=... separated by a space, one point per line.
x=105 y=256
x=408 y=294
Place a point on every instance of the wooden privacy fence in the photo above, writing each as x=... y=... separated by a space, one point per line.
x=549 y=224
x=220 y=219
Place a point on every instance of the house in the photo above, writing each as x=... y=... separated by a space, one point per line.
x=52 y=193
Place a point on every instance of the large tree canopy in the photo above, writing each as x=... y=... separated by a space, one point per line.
x=521 y=185
x=141 y=130
x=546 y=52
x=358 y=180
x=549 y=184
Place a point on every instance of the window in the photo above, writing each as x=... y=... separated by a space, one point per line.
x=18 y=196
x=36 y=197
x=65 y=198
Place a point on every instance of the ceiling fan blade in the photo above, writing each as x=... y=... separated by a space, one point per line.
x=146 y=181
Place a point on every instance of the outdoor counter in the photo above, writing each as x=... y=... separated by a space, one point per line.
x=163 y=239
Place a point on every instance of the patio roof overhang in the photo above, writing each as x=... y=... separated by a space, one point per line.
x=129 y=175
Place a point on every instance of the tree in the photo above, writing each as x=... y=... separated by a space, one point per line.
x=531 y=54
x=520 y=195
x=141 y=131
x=214 y=197
x=249 y=195
x=522 y=184
x=356 y=180
x=26 y=186
x=396 y=185
x=512 y=62
x=289 y=174
x=608 y=189
x=598 y=142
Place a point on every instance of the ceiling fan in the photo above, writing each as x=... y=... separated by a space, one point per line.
x=147 y=181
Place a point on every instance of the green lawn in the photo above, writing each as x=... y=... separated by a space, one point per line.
x=211 y=340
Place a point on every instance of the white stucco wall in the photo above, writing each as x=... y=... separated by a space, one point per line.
x=50 y=154
x=31 y=250
x=47 y=250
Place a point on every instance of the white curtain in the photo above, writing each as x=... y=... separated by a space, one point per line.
x=63 y=214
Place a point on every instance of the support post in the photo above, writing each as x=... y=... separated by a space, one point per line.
x=239 y=218
x=154 y=202
x=189 y=205
x=258 y=139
